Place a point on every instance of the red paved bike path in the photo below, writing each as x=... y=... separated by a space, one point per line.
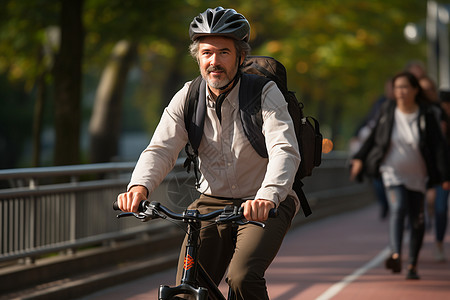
x=341 y=257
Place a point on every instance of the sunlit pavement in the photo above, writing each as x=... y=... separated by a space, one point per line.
x=341 y=257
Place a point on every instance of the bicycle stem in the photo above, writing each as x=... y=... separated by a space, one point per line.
x=190 y=265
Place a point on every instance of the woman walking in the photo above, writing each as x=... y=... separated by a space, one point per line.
x=407 y=149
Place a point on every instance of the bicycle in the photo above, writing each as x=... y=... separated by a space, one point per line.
x=192 y=269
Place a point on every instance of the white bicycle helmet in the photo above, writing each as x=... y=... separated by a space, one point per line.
x=220 y=21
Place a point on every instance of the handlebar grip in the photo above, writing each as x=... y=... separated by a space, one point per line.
x=142 y=205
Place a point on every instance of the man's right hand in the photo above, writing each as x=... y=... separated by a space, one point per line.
x=129 y=201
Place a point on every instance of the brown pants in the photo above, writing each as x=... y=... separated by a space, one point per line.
x=255 y=250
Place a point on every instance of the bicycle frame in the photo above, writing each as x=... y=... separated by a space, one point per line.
x=192 y=269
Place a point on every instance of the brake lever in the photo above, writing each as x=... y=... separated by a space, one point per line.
x=129 y=214
x=140 y=216
x=245 y=222
x=234 y=213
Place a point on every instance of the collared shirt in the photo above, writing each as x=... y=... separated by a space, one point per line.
x=229 y=165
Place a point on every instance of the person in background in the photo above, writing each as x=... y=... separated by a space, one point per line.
x=436 y=197
x=429 y=88
x=362 y=132
x=441 y=200
x=417 y=68
x=407 y=148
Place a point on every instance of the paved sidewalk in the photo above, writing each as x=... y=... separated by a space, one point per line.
x=341 y=257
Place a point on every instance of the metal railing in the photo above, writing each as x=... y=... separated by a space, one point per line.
x=62 y=209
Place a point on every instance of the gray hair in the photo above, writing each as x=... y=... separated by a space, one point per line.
x=241 y=47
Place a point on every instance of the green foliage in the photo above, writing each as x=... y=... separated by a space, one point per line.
x=23 y=34
x=338 y=52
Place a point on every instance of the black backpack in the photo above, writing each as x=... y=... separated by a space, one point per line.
x=257 y=71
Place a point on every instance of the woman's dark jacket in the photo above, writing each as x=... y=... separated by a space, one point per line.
x=432 y=144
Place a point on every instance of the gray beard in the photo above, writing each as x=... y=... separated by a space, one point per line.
x=217 y=84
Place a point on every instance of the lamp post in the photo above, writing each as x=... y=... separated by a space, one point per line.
x=444 y=64
x=438 y=44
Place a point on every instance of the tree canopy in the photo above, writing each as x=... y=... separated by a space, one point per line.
x=338 y=53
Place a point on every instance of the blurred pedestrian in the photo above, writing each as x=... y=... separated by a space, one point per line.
x=417 y=68
x=431 y=93
x=436 y=197
x=362 y=133
x=429 y=89
x=407 y=148
x=441 y=199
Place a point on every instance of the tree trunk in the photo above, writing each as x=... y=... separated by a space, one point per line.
x=174 y=79
x=68 y=74
x=37 y=119
x=105 y=125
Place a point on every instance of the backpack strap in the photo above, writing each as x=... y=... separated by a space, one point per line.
x=251 y=117
x=250 y=111
x=194 y=111
x=194 y=120
x=297 y=187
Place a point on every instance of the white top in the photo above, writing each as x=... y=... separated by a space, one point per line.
x=229 y=165
x=404 y=163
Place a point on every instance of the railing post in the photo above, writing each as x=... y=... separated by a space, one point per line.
x=73 y=215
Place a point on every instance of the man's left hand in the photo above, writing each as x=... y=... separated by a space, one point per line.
x=257 y=210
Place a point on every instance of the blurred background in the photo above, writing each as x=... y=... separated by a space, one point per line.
x=86 y=81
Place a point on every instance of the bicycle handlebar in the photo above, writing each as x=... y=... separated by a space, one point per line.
x=141 y=208
x=229 y=214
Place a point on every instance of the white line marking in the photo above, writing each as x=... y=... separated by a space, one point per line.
x=337 y=287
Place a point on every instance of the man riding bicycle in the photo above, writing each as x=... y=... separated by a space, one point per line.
x=232 y=172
